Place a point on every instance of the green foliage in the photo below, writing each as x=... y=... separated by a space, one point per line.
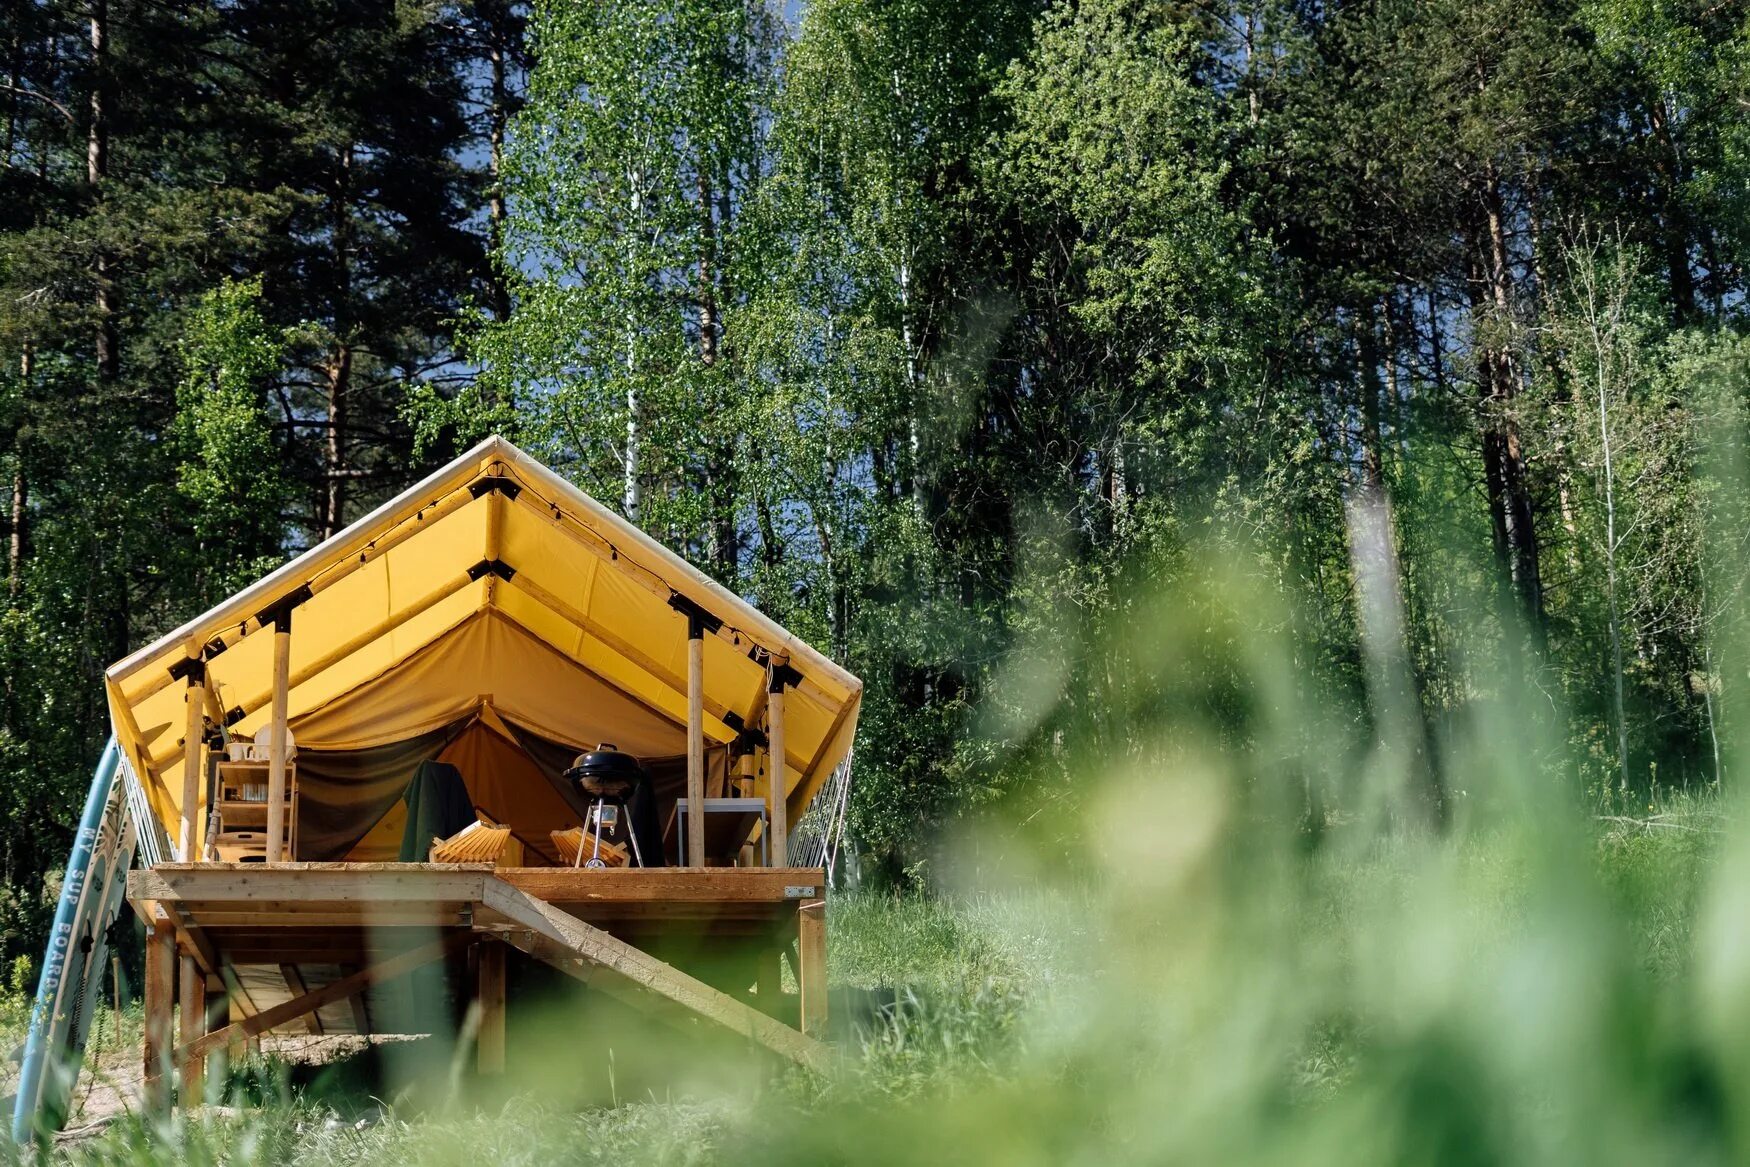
x=230 y=476
x=998 y=347
x=1201 y=985
x=627 y=171
x=229 y=243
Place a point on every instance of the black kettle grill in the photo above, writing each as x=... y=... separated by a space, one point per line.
x=606 y=777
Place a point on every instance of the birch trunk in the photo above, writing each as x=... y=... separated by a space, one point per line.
x=340 y=361
x=634 y=488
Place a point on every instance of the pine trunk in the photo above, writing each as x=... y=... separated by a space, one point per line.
x=498 y=117
x=1510 y=504
x=1676 y=227
x=96 y=169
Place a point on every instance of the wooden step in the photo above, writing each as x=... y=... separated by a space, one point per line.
x=583 y=950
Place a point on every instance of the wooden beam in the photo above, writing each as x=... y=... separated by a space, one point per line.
x=696 y=747
x=194 y=939
x=192 y=989
x=193 y=760
x=813 y=767
x=643 y=661
x=596 y=630
x=318 y=569
x=615 y=683
x=278 y=954
x=811 y=966
x=494 y=541
x=567 y=942
x=295 y=987
x=489 y=1047
x=236 y=887
x=361 y=1013
x=215 y=707
x=777 y=781
x=769 y=982
x=339 y=990
x=369 y=636
x=236 y=992
x=276 y=739
x=764 y=632
x=160 y=1002
x=297 y=914
x=134 y=741
x=310 y=882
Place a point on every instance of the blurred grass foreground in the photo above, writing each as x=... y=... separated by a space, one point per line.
x=1230 y=919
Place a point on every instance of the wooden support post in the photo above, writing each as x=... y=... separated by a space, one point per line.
x=191 y=988
x=253 y=1026
x=811 y=966
x=296 y=987
x=219 y=1061
x=768 y=983
x=193 y=758
x=610 y=964
x=160 y=1003
x=276 y=740
x=361 y=1013
x=489 y=1047
x=695 y=743
x=777 y=785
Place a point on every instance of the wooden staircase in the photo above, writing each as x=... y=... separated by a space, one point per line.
x=606 y=962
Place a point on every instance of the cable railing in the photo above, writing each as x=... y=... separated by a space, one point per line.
x=819 y=835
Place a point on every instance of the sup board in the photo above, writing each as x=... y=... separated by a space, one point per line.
x=92 y=894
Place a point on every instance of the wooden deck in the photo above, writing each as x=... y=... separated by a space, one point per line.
x=309 y=947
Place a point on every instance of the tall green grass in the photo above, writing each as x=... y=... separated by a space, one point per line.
x=1220 y=923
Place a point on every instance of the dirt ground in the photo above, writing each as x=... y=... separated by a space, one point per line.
x=113 y=1081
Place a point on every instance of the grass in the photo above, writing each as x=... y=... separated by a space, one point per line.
x=1406 y=1006
x=1242 y=942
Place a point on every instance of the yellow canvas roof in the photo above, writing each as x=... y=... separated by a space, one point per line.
x=496 y=585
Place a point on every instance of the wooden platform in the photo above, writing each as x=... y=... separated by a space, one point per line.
x=302 y=946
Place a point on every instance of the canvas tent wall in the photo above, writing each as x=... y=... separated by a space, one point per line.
x=493 y=594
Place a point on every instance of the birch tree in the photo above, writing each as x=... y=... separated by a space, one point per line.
x=1631 y=439
x=626 y=176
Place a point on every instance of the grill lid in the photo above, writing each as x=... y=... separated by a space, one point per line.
x=605 y=770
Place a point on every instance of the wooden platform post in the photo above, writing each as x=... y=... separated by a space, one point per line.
x=811 y=966
x=193 y=757
x=160 y=1003
x=270 y=1018
x=489 y=1047
x=768 y=984
x=191 y=989
x=777 y=785
x=276 y=740
x=695 y=742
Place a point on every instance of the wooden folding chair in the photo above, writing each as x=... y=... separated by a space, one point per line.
x=481 y=841
x=576 y=845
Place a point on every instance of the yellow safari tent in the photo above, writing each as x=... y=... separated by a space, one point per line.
x=495 y=617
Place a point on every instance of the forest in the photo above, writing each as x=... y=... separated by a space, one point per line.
x=959 y=337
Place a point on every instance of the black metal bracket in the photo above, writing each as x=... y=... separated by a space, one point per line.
x=191 y=669
x=782 y=677
x=280 y=614
x=747 y=741
x=699 y=621
x=234 y=715
x=497 y=484
x=486 y=567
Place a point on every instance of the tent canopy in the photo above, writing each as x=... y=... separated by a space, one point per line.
x=492 y=589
